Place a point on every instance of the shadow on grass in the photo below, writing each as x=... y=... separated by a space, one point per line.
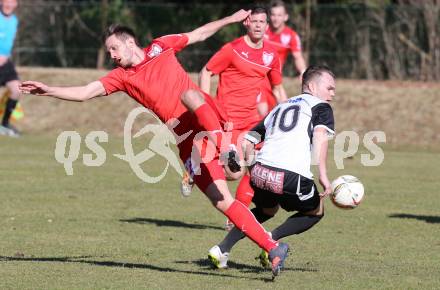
x=431 y=219
x=169 y=223
x=204 y=263
x=84 y=260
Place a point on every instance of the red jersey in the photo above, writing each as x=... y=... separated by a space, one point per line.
x=242 y=71
x=286 y=41
x=158 y=81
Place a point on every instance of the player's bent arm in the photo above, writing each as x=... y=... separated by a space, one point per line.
x=280 y=93
x=77 y=93
x=300 y=63
x=205 y=31
x=321 y=148
x=205 y=80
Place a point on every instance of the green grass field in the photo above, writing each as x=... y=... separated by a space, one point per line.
x=104 y=228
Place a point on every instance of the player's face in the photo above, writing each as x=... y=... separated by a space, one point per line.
x=325 y=87
x=8 y=6
x=119 y=50
x=278 y=16
x=257 y=25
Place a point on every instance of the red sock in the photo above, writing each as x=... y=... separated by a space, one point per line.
x=244 y=220
x=244 y=192
x=208 y=120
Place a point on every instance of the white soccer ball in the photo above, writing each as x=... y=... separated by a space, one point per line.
x=347 y=192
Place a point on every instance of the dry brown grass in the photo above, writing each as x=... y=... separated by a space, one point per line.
x=405 y=111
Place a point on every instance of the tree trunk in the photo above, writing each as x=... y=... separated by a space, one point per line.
x=57 y=30
x=431 y=15
x=364 y=50
x=307 y=36
x=104 y=20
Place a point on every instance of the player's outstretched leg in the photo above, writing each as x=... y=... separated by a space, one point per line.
x=244 y=220
x=299 y=222
x=236 y=235
x=238 y=213
x=277 y=256
x=221 y=251
x=218 y=258
x=263 y=258
x=208 y=119
x=243 y=194
x=294 y=225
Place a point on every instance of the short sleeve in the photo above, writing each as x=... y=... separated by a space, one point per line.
x=221 y=60
x=322 y=116
x=113 y=81
x=174 y=41
x=275 y=75
x=295 y=43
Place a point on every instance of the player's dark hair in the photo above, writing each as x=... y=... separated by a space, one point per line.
x=312 y=72
x=120 y=31
x=259 y=9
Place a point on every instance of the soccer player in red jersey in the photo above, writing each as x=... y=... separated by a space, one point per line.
x=154 y=77
x=243 y=65
x=286 y=41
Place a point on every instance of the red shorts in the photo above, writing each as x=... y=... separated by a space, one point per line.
x=207 y=169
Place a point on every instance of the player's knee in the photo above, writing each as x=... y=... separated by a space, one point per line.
x=15 y=95
x=260 y=215
x=192 y=99
x=219 y=202
x=318 y=211
x=219 y=195
x=270 y=211
x=14 y=91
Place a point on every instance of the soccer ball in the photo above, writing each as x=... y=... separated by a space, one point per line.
x=347 y=192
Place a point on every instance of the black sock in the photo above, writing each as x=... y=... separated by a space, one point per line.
x=9 y=108
x=235 y=234
x=294 y=225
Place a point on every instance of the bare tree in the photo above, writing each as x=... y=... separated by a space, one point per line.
x=104 y=22
x=431 y=13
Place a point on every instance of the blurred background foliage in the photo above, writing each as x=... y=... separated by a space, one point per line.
x=367 y=39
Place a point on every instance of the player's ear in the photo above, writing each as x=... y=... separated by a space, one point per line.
x=131 y=42
x=286 y=17
x=312 y=86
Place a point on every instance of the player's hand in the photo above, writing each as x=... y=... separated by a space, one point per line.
x=326 y=185
x=35 y=88
x=3 y=60
x=248 y=150
x=240 y=15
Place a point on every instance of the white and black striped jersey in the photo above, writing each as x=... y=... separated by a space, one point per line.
x=287 y=132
